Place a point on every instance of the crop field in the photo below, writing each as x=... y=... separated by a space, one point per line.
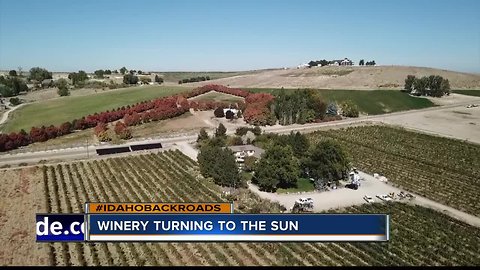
x=441 y=169
x=57 y=111
x=370 y=102
x=419 y=236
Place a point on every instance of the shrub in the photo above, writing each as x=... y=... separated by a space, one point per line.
x=229 y=115
x=349 y=109
x=219 y=112
x=15 y=101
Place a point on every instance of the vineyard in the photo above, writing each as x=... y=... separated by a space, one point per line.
x=418 y=236
x=440 y=169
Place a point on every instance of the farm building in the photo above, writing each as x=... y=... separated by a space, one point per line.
x=235 y=111
x=344 y=62
x=242 y=151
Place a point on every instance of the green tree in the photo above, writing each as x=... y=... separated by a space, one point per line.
x=445 y=87
x=327 y=161
x=249 y=163
x=218 y=163
x=361 y=63
x=99 y=74
x=12 y=73
x=349 y=109
x=39 y=74
x=202 y=136
x=123 y=70
x=158 y=79
x=62 y=86
x=421 y=85
x=409 y=83
x=277 y=168
x=221 y=131
x=130 y=79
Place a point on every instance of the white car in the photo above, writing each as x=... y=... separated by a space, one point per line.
x=306 y=200
x=368 y=199
x=384 y=197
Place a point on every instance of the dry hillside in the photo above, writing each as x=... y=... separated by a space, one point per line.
x=379 y=77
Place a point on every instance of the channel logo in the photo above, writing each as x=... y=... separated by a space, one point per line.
x=60 y=227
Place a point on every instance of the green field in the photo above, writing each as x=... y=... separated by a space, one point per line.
x=475 y=93
x=369 y=102
x=176 y=76
x=215 y=96
x=64 y=109
x=303 y=184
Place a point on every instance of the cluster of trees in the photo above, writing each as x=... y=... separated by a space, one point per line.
x=243 y=130
x=288 y=157
x=12 y=85
x=258 y=109
x=130 y=79
x=39 y=74
x=218 y=163
x=104 y=134
x=433 y=85
x=300 y=107
x=369 y=63
x=194 y=79
x=78 y=78
x=158 y=79
x=322 y=63
x=100 y=73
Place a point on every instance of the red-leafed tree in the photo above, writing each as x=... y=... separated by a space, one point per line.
x=122 y=131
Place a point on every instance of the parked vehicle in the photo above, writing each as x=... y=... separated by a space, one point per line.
x=368 y=199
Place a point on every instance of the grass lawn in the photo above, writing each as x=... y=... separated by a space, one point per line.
x=475 y=93
x=64 y=109
x=215 y=96
x=369 y=102
x=303 y=184
x=177 y=76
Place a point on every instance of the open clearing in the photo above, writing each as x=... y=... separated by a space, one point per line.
x=419 y=236
x=57 y=111
x=355 y=77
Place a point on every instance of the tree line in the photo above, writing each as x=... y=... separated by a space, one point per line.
x=433 y=85
x=195 y=79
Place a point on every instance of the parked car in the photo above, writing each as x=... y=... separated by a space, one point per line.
x=384 y=197
x=368 y=199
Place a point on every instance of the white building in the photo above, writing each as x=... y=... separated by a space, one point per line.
x=242 y=151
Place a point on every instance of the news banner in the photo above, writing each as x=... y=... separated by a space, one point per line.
x=201 y=222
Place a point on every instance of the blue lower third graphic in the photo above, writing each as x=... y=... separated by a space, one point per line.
x=238 y=227
x=60 y=227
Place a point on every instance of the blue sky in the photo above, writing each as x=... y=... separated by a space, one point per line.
x=227 y=35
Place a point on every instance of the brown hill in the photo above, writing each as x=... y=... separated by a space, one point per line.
x=378 y=77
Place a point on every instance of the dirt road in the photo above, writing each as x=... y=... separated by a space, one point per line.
x=345 y=197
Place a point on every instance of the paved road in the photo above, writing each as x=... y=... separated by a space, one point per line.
x=79 y=152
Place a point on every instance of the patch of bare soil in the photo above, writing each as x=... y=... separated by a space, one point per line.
x=21 y=197
x=361 y=78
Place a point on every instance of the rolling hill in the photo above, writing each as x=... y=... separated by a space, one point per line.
x=378 y=77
